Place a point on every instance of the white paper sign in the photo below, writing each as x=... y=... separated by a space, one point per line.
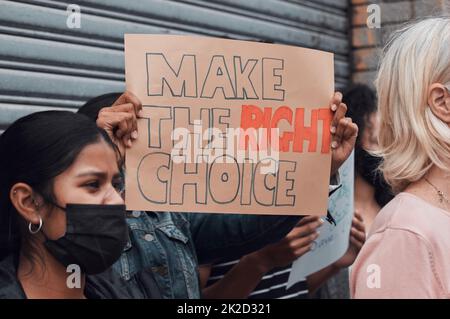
x=333 y=240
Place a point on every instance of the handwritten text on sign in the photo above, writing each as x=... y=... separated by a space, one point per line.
x=228 y=126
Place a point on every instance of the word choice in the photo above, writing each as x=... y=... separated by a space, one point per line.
x=244 y=182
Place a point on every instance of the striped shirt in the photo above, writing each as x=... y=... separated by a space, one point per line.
x=272 y=285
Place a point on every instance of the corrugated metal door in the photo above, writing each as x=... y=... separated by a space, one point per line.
x=45 y=64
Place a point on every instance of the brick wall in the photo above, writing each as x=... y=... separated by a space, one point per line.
x=367 y=43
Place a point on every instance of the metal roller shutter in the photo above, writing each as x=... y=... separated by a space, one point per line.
x=44 y=64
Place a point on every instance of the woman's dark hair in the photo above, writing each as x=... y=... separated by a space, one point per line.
x=362 y=103
x=92 y=107
x=34 y=150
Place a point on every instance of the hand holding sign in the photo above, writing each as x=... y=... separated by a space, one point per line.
x=293 y=246
x=344 y=133
x=120 y=120
x=357 y=239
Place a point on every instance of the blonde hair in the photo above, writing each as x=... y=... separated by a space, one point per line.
x=411 y=138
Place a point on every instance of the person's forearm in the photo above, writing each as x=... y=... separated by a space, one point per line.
x=317 y=279
x=218 y=236
x=231 y=236
x=239 y=282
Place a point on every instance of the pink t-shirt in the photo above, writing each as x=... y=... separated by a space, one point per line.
x=407 y=254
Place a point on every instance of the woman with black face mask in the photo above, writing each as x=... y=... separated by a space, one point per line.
x=62 y=218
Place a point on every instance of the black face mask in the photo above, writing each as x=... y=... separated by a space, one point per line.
x=95 y=237
x=367 y=166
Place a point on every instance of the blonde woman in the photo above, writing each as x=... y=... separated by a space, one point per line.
x=407 y=254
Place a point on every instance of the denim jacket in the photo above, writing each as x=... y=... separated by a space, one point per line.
x=172 y=245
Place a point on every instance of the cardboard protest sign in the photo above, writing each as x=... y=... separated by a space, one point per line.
x=229 y=126
x=333 y=241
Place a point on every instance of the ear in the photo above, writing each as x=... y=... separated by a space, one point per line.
x=25 y=202
x=439 y=102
